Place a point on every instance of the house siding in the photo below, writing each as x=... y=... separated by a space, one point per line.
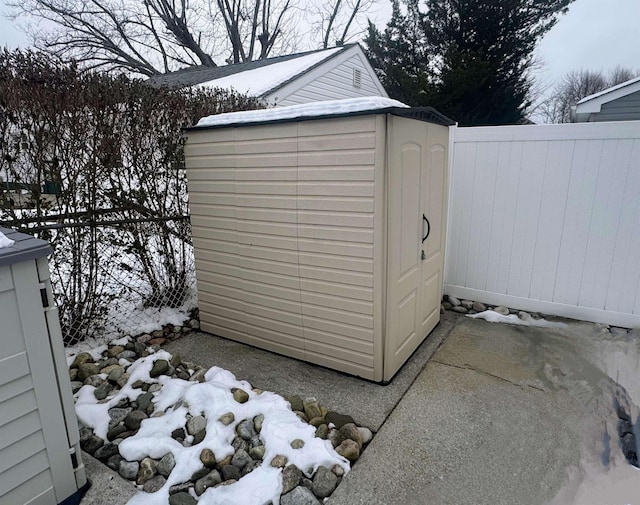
x=626 y=108
x=335 y=84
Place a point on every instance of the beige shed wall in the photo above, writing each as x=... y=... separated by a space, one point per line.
x=286 y=219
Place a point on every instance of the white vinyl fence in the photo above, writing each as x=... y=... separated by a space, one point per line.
x=547 y=218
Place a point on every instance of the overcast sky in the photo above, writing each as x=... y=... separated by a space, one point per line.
x=595 y=34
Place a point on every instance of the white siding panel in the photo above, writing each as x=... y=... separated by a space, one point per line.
x=335 y=84
x=547 y=218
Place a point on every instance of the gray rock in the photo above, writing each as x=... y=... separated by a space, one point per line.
x=114 y=462
x=279 y=461
x=160 y=366
x=335 y=437
x=106 y=451
x=134 y=418
x=144 y=402
x=199 y=437
x=124 y=378
x=230 y=472
x=116 y=430
x=257 y=422
x=297 y=443
x=502 y=310
x=75 y=386
x=618 y=332
x=453 y=301
x=112 y=352
x=246 y=430
x=524 y=316
x=179 y=488
x=479 y=307
x=366 y=434
x=129 y=469
x=350 y=431
x=81 y=359
x=147 y=470
x=198 y=375
x=102 y=391
x=198 y=474
x=154 y=388
x=154 y=484
x=196 y=424
x=299 y=496
x=116 y=373
x=291 y=476
x=250 y=467
x=338 y=420
x=92 y=444
x=317 y=421
x=209 y=480
x=447 y=305
x=208 y=458
x=128 y=355
x=94 y=380
x=467 y=304
x=176 y=359
x=322 y=431
x=86 y=370
x=460 y=309
x=324 y=482
x=178 y=434
x=337 y=470
x=349 y=449
x=227 y=418
x=118 y=414
x=238 y=443
x=166 y=464
x=255 y=441
x=257 y=453
x=240 y=395
x=312 y=408
x=194 y=324
x=240 y=459
x=296 y=403
x=182 y=498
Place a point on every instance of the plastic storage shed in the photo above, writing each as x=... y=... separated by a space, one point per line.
x=318 y=230
x=39 y=441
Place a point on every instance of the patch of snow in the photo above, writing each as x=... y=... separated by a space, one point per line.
x=120 y=341
x=494 y=317
x=4 y=241
x=211 y=398
x=257 y=81
x=314 y=109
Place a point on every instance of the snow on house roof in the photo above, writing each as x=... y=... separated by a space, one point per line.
x=254 y=77
x=621 y=86
x=307 y=110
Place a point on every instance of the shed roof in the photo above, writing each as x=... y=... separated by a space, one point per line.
x=25 y=248
x=322 y=110
x=282 y=69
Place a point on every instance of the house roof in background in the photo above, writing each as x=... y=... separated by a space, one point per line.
x=592 y=103
x=254 y=77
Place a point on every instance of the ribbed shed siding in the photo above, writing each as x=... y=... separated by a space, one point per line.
x=283 y=227
x=24 y=464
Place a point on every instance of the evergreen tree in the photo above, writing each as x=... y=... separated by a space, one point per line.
x=479 y=55
x=400 y=56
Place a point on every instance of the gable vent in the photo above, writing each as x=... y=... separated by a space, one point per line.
x=357 y=78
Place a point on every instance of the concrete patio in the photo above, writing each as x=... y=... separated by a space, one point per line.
x=482 y=413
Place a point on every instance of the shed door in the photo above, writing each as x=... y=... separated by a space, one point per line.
x=416 y=169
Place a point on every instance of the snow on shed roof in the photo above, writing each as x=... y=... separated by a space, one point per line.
x=324 y=109
x=253 y=77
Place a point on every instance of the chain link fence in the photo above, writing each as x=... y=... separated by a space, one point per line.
x=117 y=277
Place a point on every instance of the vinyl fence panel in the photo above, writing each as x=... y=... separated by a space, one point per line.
x=547 y=218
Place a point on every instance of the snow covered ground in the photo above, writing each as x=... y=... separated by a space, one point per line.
x=282 y=431
x=494 y=317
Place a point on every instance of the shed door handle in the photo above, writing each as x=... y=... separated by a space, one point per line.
x=428 y=228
